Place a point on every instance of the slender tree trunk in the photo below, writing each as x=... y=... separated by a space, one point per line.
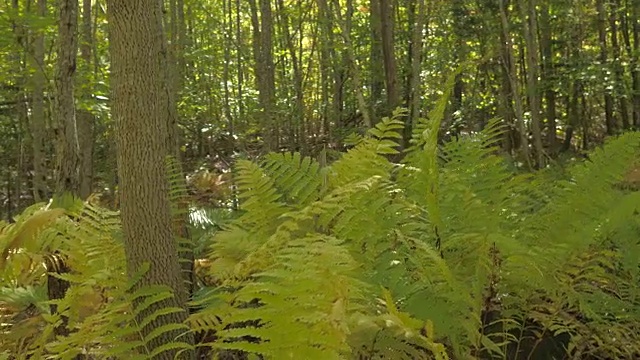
x=633 y=51
x=415 y=90
x=618 y=70
x=510 y=63
x=268 y=88
x=299 y=109
x=265 y=68
x=548 y=76
x=350 y=56
x=141 y=110
x=602 y=37
x=21 y=111
x=174 y=83
x=240 y=73
x=324 y=39
x=68 y=152
x=528 y=11
x=388 y=52
x=38 y=123
x=85 y=119
x=226 y=75
x=376 y=78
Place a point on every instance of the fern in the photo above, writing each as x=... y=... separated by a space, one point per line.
x=298 y=178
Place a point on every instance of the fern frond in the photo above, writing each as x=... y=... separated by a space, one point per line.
x=262 y=201
x=312 y=280
x=298 y=178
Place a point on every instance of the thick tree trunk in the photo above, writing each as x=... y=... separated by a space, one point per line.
x=141 y=110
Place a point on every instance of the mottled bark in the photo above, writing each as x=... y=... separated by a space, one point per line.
x=38 y=123
x=67 y=152
x=141 y=110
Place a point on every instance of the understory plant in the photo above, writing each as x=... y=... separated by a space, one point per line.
x=446 y=254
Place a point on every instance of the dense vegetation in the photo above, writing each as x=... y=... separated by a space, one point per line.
x=447 y=254
x=381 y=179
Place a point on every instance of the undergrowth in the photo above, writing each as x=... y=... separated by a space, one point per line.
x=446 y=254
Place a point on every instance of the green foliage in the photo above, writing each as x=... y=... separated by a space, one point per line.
x=465 y=248
x=98 y=304
x=447 y=254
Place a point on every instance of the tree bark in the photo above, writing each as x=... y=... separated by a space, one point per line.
x=377 y=74
x=345 y=32
x=38 y=123
x=602 y=39
x=85 y=118
x=511 y=72
x=141 y=110
x=415 y=90
x=618 y=69
x=265 y=68
x=528 y=12
x=548 y=77
x=631 y=24
x=68 y=152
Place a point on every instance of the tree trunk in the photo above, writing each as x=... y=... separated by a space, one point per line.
x=299 y=109
x=528 y=11
x=38 y=123
x=633 y=51
x=345 y=32
x=85 y=119
x=265 y=69
x=618 y=69
x=602 y=38
x=376 y=77
x=388 y=52
x=548 y=76
x=141 y=110
x=325 y=40
x=68 y=152
x=415 y=90
x=511 y=72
